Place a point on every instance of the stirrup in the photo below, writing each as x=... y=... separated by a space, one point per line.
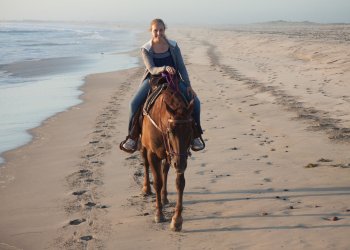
x=200 y=137
x=124 y=149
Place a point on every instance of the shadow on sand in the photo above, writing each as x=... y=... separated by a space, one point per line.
x=273 y=194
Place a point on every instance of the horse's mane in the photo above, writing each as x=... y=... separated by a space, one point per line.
x=176 y=101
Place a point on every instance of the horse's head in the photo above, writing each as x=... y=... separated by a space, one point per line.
x=179 y=131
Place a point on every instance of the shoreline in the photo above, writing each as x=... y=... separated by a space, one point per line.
x=32 y=132
x=42 y=73
x=69 y=76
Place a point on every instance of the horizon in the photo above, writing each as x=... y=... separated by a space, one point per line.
x=173 y=23
x=182 y=12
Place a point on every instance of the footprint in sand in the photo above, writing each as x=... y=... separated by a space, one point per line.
x=133 y=157
x=89 y=155
x=94 y=142
x=200 y=172
x=90 y=204
x=85 y=173
x=97 y=162
x=324 y=160
x=79 y=192
x=102 y=206
x=234 y=148
x=86 y=238
x=281 y=198
x=267 y=180
x=76 y=222
x=333 y=218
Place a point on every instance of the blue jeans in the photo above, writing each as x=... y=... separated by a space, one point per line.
x=141 y=95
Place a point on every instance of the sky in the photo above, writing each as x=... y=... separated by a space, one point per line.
x=178 y=11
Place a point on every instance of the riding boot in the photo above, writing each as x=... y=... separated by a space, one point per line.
x=135 y=130
x=130 y=144
x=197 y=130
x=198 y=142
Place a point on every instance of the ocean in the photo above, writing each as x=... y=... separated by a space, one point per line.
x=43 y=64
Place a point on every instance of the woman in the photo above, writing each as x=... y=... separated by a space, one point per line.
x=163 y=55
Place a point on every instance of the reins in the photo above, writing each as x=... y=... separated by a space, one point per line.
x=170 y=150
x=171 y=82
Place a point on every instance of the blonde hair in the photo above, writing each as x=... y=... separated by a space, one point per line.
x=157 y=21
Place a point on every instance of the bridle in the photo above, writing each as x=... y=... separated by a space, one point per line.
x=166 y=135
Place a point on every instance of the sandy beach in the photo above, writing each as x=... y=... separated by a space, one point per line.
x=275 y=173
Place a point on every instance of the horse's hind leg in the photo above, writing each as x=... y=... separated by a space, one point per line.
x=157 y=184
x=176 y=221
x=165 y=170
x=146 y=189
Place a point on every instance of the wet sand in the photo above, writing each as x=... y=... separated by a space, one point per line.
x=275 y=173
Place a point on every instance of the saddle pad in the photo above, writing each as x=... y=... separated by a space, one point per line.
x=152 y=97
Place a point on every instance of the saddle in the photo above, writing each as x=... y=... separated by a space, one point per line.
x=156 y=90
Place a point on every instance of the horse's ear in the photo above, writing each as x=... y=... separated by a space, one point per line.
x=190 y=106
x=169 y=109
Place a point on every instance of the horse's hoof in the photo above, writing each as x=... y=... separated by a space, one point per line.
x=176 y=226
x=146 y=191
x=159 y=219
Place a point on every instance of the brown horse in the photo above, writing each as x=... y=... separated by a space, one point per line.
x=166 y=136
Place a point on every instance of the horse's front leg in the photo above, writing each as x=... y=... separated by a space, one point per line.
x=176 y=221
x=157 y=184
x=146 y=189
x=165 y=170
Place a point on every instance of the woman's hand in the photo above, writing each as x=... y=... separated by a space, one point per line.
x=190 y=92
x=170 y=70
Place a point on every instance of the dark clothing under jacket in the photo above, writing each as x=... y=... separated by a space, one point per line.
x=147 y=55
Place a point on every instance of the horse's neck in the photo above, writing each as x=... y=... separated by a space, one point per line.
x=159 y=112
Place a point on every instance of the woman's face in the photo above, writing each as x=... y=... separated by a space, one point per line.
x=158 y=32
